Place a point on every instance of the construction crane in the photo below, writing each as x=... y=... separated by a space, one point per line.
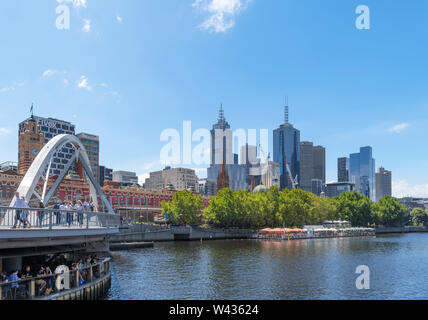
x=294 y=182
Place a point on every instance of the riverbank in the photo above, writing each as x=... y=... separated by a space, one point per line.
x=392 y=230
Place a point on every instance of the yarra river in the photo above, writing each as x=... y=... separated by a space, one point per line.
x=250 y=269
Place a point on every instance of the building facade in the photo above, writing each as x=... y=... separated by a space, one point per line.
x=49 y=128
x=343 y=169
x=383 y=183
x=286 y=150
x=106 y=174
x=337 y=188
x=362 y=172
x=319 y=163
x=221 y=152
x=181 y=179
x=271 y=174
x=92 y=145
x=125 y=177
x=30 y=142
x=306 y=165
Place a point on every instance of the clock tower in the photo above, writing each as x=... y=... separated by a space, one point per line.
x=31 y=141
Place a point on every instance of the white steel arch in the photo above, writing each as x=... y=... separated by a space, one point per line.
x=40 y=168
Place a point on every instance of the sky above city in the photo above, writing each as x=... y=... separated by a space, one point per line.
x=127 y=70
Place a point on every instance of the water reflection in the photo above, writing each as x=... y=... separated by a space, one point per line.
x=304 y=269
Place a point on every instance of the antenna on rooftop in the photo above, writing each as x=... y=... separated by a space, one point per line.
x=286 y=111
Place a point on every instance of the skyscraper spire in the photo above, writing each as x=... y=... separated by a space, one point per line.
x=221 y=114
x=286 y=113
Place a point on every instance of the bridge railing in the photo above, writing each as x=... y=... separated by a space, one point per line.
x=59 y=282
x=55 y=218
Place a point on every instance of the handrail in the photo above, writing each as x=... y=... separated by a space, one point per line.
x=54 y=218
x=29 y=285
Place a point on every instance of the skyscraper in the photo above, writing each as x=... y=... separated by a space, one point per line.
x=362 y=172
x=319 y=163
x=221 y=141
x=312 y=165
x=343 y=169
x=222 y=153
x=383 y=183
x=306 y=165
x=286 y=150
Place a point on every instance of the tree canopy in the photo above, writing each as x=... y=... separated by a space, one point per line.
x=275 y=208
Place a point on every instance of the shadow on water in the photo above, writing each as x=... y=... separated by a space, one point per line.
x=252 y=269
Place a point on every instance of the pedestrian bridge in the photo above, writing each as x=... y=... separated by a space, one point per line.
x=32 y=231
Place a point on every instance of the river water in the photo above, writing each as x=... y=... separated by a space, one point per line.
x=252 y=269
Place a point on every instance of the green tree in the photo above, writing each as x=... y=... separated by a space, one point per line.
x=419 y=216
x=355 y=208
x=389 y=211
x=185 y=208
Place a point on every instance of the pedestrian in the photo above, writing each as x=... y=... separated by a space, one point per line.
x=25 y=214
x=57 y=213
x=40 y=214
x=19 y=205
x=63 y=209
x=79 y=209
x=69 y=209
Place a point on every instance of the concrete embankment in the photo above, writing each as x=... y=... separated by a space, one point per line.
x=149 y=233
x=387 y=230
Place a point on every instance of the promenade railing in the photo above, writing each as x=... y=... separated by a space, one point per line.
x=56 y=218
x=43 y=286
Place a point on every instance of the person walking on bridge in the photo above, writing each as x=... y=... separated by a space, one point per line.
x=40 y=214
x=63 y=209
x=19 y=204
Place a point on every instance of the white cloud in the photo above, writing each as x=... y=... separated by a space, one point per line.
x=119 y=19
x=87 y=26
x=398 y=128
x=104 y=85
x=76 y=3
x=142 y=178
x=12 y=87
x=5 y=131
x=49 y=73
x=402 y=188
x=83 y=83
x=222 y=13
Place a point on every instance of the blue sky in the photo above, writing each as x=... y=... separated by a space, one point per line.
x=127 y=70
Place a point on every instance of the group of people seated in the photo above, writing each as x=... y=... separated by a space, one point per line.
x=15 y=284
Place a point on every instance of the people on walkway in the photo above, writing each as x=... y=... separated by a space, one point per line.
x=69 y=209
x=63 y=212
x=20 y=204
x=79 y=208
x=40 y=214
x=57 y=213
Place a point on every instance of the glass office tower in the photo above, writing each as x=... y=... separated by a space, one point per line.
x=286 y=149
x=362 y=172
